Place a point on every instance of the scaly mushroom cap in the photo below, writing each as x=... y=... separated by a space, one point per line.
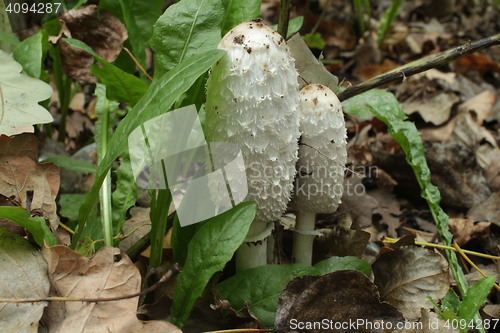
x=322 y=151
x=252 y=101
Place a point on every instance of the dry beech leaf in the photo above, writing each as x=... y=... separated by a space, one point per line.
x=24 y=275
x=25 y=144
x=108 y=273
x=481 y=105
x=408 y=275
x=103 y=32
x=20 y=174
x=435 y=110
x=466 y=229
x=341 y=296
x=487 y=210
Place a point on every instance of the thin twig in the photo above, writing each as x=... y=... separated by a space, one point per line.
x=171 y=272
x=462 y=253
x=444 y=247
x=399 y=74
x=138 y=64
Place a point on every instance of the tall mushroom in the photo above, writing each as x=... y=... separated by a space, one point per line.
x=320 y=168
x=252 y=101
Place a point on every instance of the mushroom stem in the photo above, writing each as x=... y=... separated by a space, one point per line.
x=252 y=254
x=303 y=242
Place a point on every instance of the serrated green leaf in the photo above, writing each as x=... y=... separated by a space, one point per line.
x=159 y=98
x=19 y=97
x=343 y=263
x=208 y=252
x=30 y=53
x=237 y=11
x=70 y=163
x=475 y=298
x=35 y=225
x=451 y=300
x=261 y=287
x=187 y=28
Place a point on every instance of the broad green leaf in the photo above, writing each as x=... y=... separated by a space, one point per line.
x=343 y=263
x=261 y=287
x=387 y=20
x=186 y=29
x=121 y=86
x=237 y=11
x=35 y=225
x=139 y=17
x=382 y=100
x=19 y=97
x=70 y=163
x=294 y=25
x=158 y=99
x=181 y=236
x=124 y=195
x=475 y=298
x=30 y=53
x=70 y=203
x=24 y=275
x=208 y=252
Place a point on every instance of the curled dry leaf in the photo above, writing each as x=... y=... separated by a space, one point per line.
x=341 y=296
x=408 y=275
x=24 y=275
x=20 y=174
x=466 y=229
x=108 y=273
x=101 y=31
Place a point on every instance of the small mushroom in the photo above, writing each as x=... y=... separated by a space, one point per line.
x=320 y=168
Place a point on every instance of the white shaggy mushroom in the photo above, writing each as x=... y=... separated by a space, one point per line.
x=320 y=169
x=252 y=101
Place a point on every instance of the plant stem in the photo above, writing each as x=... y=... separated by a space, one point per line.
x=303 y=243
x=401 y=73
x=284 y=17
x=105 y=192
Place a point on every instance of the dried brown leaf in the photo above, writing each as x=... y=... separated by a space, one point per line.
x=20 y=174
x=103 y=32
x=23 y=275
x=466 y=229
x=408 y=275
x=341 y=296
x=108 y=273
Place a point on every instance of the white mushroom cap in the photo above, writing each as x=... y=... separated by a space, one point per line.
x=322 y=152
x=252 y=100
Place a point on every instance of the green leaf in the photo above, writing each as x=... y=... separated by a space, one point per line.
x=451 y=300
x=70 y=203
x=186 y=29
x=382 y=100
x=475 y=298
x=181 y=236
x=261 y=287
x=387 y=20
x=139 y=17
x=314 y=40
x=208 y=252
x=294 y=25
x=35 y=225
x=30 y=53
x=237 y=11
x=70 y=163
x=121 y=86
x=19 y=97
x=7 y=38
x=125 y=194
x=159 y=98
x=343 y=263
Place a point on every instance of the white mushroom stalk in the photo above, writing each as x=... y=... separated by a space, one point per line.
x=252 y=101
x=320 y=169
